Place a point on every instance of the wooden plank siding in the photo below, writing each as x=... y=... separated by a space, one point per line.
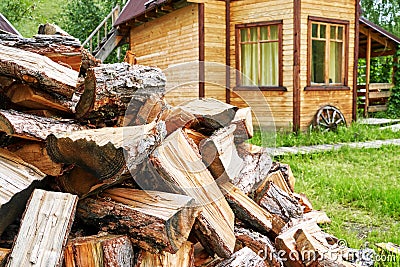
x=311 y=101
x=166 y=42
x=280 y=102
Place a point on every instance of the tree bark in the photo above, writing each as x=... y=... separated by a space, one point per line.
x=38 y=71
x=155 y=221
x=260 y=244
x=51 y=29
x=18 y=179
x=244 y=257
x=31 y=127
x=244 y=125
x=51 y=215
x=257 y=163
x=64 y=49
x=117 y=90
x=179 y=164
x=99 y=251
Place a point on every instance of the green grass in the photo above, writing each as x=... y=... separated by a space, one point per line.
x=358 y=188
x=354 y=133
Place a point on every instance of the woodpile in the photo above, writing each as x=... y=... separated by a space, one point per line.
x=96 y=169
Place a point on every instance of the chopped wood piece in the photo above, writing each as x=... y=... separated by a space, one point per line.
x=107 y=152
x=203 y=259
x=26 y=96
x=220 y=155
x=17 y=181
x=276 y=178
x=182 y=258
x=197 y=137
x=88 y=61
x=51 y=215
x=176 y=118
x=64 y=49
x=304 y=201
x=118 y=89
x=31 y=127
x=244 y=125
x=278 y=202
x=149 y=111
x=260 y=244
x=4 y=253
x=38 y=70
x=79 y=182
x=287 y=243
x=99 y=251
x=179 y=163
x=286 y=172
x=51 y=29
x=35 y=153
x=244 y=257
x=211 y=114
x=257 y=163
x=249 y=212
x=155 y=221
x=320 y=217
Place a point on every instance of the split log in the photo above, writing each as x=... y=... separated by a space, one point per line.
x=38 y=70
x=28 y=97
x=276 y=178
x=313 y=253
x=17 y=181
x=211 y=114
x=182 y=258
x=286 y=172
x=286 y=242
x=60 y=49
x=155 y=221
x=99 y=251
x=250 y=213
x=51 y=29
x=197 y=137
x=179 y=164
x=320 y=217
x=51 y=215
x=150 y=110
x=304 y=201
x=244 y=257
x=278 y=202
x=220 y=156
x=176 y=118
x=107 y=152
x=257 y=163
x=35 y=153
x=244 y=125
x=116 y=89
x=4 y=253
x=31 y=127
x=260 y=244
x=203 y=259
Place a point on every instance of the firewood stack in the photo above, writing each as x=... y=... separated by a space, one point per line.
x=98 y=170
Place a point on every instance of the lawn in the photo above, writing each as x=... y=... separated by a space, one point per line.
x=358 y=188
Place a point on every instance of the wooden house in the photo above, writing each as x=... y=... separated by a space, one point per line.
x=296 y=55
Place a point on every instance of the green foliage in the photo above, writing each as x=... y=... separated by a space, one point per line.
x=384 y=13
x=394 y=100
x=15 y=11
x=381 y=70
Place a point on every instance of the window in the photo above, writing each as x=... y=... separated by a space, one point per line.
x=327 y=53
x=259 y=53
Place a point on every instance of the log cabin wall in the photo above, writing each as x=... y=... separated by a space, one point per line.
x=312 y=100
x=279 y=101
x=166 y=42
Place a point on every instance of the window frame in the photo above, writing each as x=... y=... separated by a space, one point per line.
x=238 y=27
x=345 y=67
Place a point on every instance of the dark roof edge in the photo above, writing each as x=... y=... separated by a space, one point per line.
x=381 y=30
x=11 y=27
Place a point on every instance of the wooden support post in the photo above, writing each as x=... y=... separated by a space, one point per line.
x=368 y=73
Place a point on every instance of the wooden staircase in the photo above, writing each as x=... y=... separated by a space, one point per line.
x=103 y=40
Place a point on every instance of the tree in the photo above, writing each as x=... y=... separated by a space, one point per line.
x=385 y=13
x=17 y=11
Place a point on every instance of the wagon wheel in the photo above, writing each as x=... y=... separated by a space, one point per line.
x=328 y=118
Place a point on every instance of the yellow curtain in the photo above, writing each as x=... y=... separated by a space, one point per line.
x=335 y=62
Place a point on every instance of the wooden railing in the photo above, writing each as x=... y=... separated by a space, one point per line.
x=376 y=99
x=102 y=29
